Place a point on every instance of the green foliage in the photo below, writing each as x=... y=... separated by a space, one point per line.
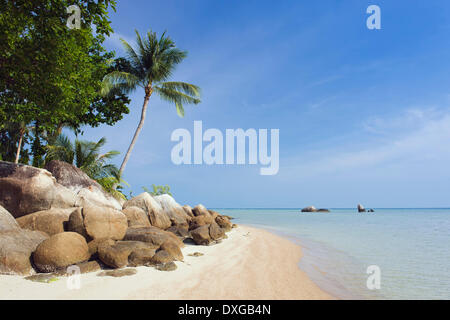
x=52 y=74
x=87 y=156
x=158 y=190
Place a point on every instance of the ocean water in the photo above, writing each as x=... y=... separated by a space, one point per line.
x=410 y=246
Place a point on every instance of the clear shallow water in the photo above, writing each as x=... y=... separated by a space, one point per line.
x=411 y=247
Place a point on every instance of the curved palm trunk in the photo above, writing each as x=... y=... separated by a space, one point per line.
x=19 y=147
x=138 y=131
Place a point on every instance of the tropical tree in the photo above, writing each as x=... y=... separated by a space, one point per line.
x=50 y=74
x=87 y=156
x=158 y=190
x=150 y=66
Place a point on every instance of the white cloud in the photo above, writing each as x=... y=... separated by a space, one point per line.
x=415 y=136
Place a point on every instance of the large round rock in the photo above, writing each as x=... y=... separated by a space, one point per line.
x=105 y=223
x=60 y=251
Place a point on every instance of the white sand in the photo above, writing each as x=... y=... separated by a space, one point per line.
x=250 y=264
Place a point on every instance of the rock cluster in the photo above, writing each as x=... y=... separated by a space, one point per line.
x=313 y=209
x=58 y=217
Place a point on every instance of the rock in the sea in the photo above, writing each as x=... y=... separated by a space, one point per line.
x=89 y=192
x=16 y=247
x=60 y=251
x=99 y=223
x=51 y=221
x=361 y=208
x=323 y=210
x=224 y=223
x=25 y=189
x=158 y=218
x=371 y=210
x=201 y=235
x=309 y=209
x=152 y=235
x=137 y=218
x=7 y=221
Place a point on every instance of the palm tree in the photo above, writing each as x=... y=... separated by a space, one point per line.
x=150 y=67
x=86 y=156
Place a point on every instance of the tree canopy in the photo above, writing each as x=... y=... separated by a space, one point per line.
x=50 y=75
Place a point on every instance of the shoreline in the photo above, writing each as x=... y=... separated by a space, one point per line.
x=251 y=264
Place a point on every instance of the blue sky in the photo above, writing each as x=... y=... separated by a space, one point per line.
x=364 y=115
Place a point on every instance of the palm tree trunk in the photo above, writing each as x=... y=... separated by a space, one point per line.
x=138 y=131
x=19 y=147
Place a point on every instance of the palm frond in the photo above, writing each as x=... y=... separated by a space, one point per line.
x=124 y=81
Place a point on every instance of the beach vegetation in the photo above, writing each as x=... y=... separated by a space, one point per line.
x=158 y=190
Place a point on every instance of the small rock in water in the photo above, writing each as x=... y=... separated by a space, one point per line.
x=170 y=266
x=43 y=278
x=196 y=254
x=118 y=273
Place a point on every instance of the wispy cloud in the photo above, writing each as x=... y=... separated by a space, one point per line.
x=417 y=135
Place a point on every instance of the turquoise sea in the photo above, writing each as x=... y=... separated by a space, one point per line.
x=410 y=246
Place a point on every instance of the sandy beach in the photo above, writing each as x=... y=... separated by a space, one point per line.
x=250 y=264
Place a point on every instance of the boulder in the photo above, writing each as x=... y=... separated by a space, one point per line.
x=117 y=255
x=99 y=223
x=16 y=247
x=371 y=210
x=215 y=232
x=180 y=231
x=170 y=266
x=60 y=251
x=200 y=210
x=323 y=210
x=188 y=210
x=85 y=267
x=173 y=249
x=158 y=217
x=7 y=221
x=141 y=257
x=173 y=210
x=213 y=214
x=161 y=257
x=25 y=189
x=51 y=221
x=89 y=191
x=76 y=224
x=309 y=209
x=200 y=221
x=93 y=196
x=95 y=244
x=151 y=235
x=224 y=223
x=201 y=235
x=361 y=208
x=137 y=218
